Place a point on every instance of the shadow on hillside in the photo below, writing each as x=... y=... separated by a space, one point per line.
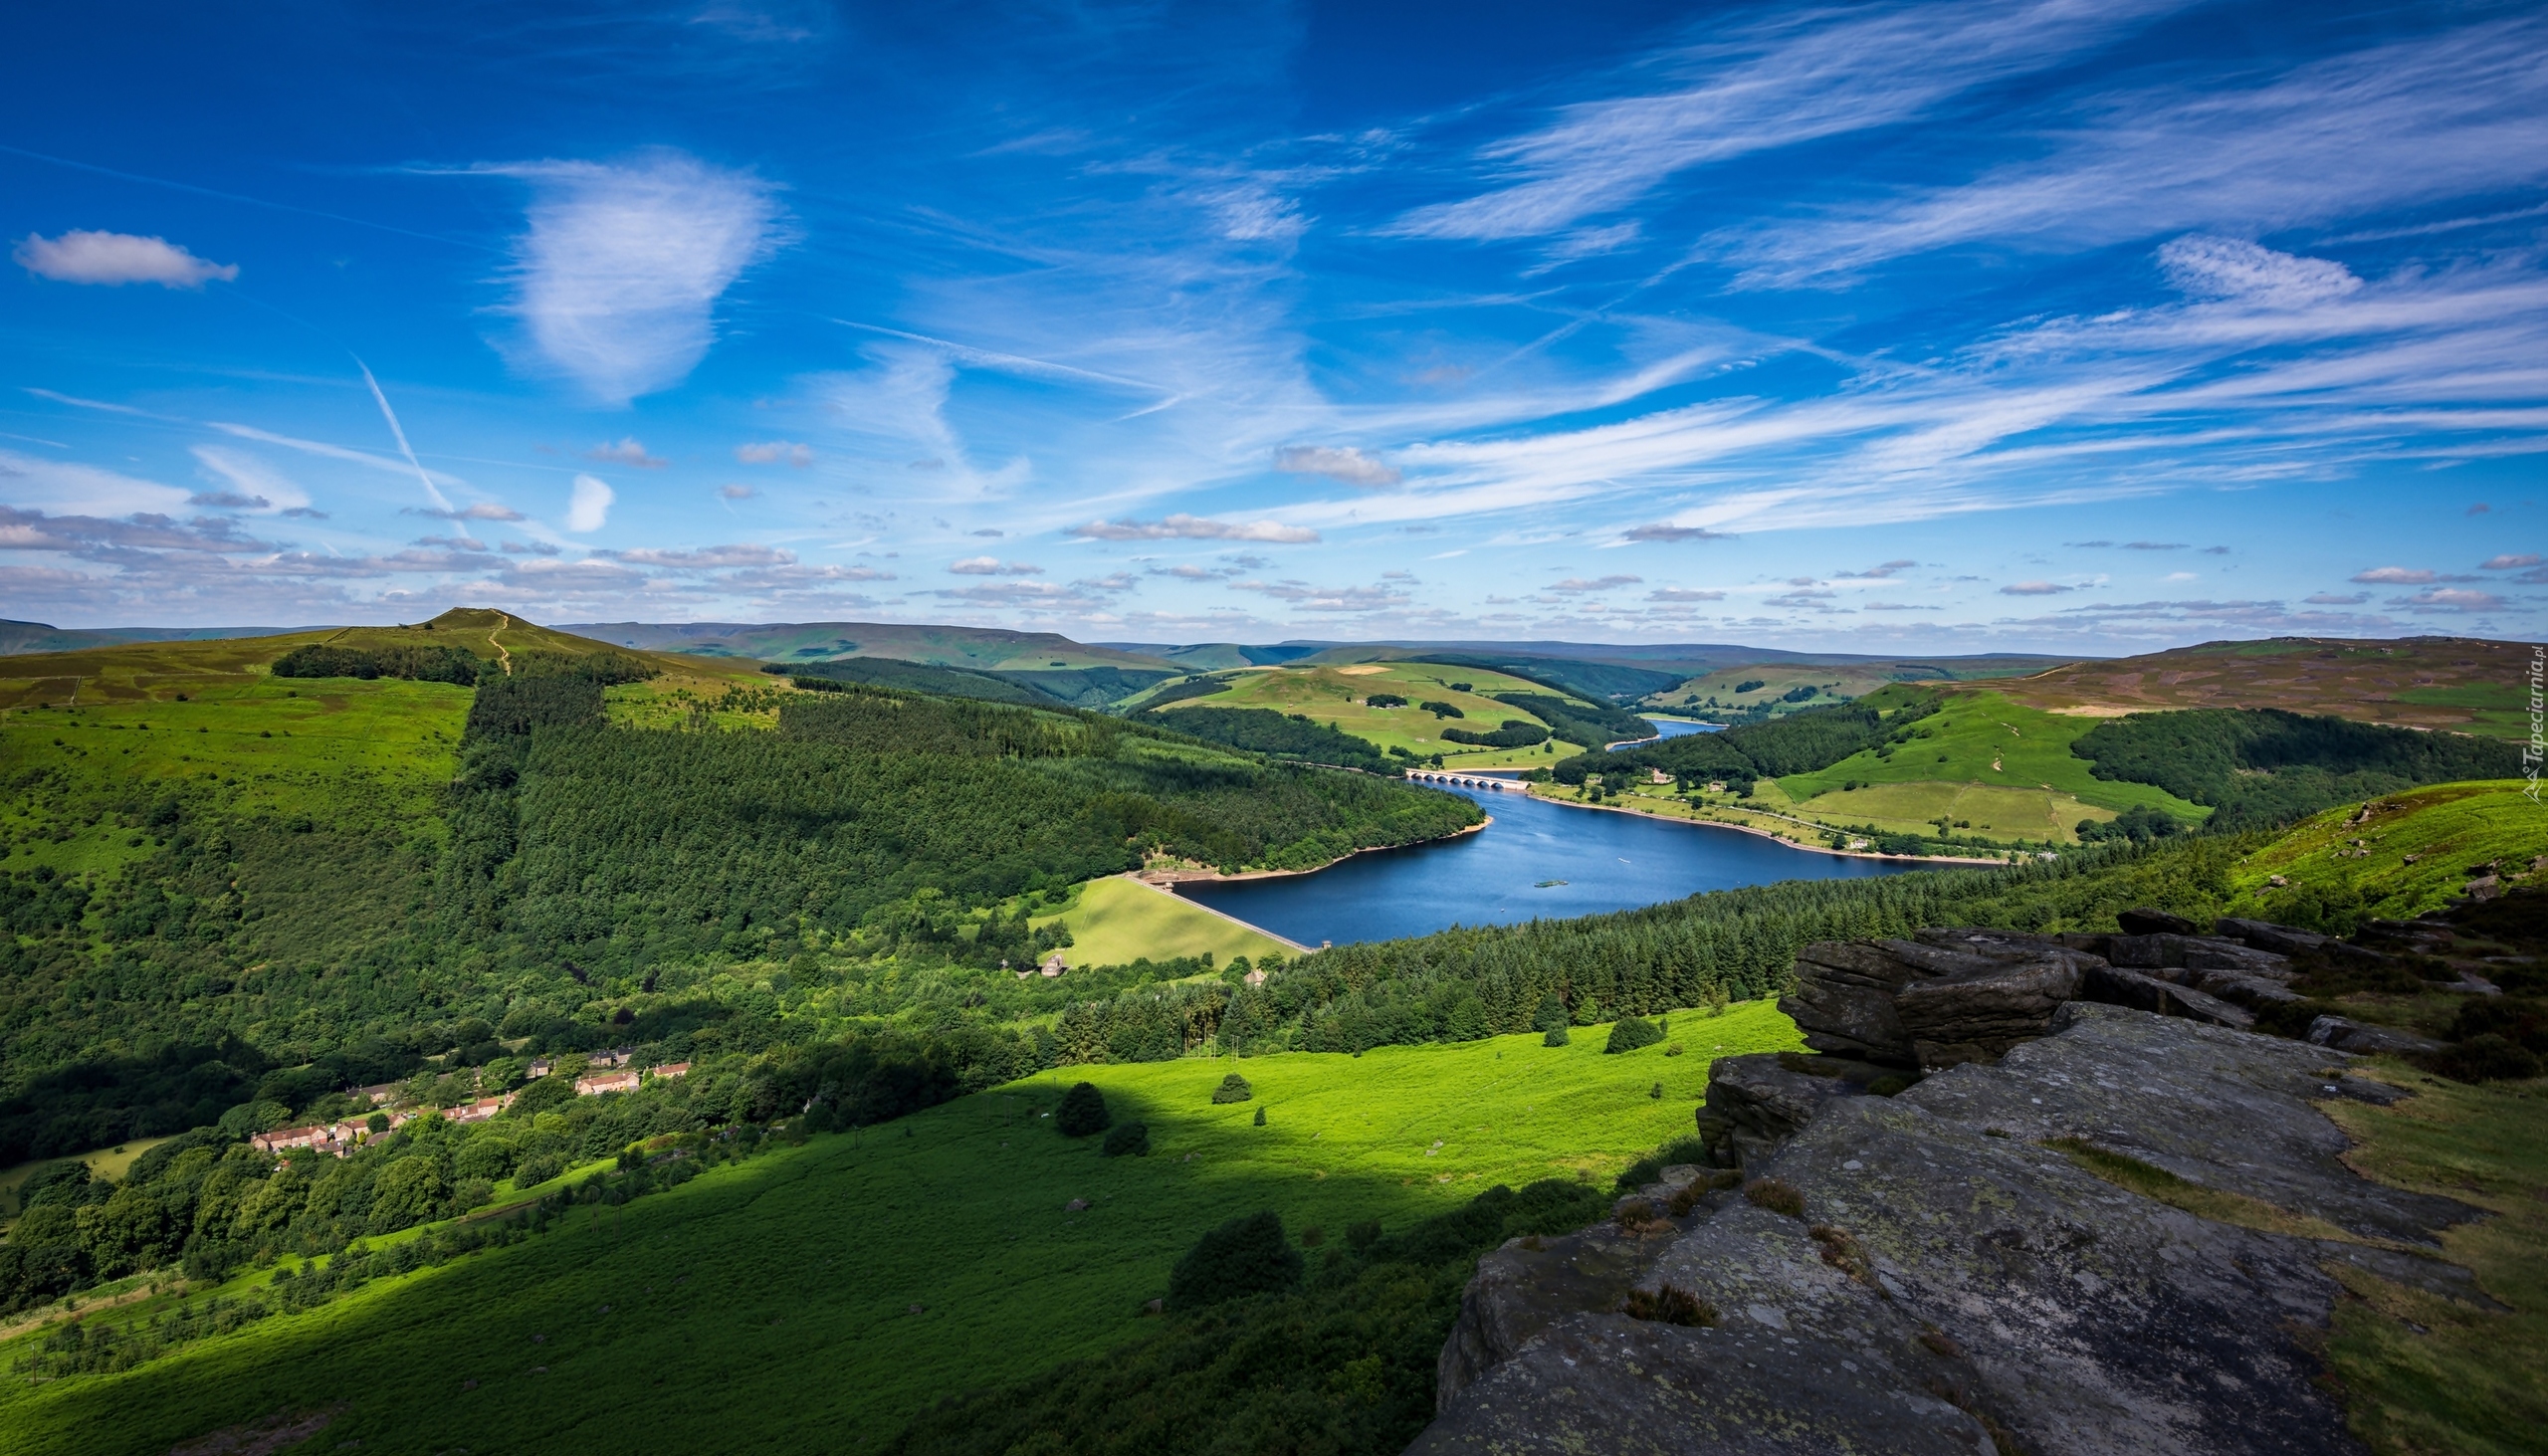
x=811 y=1298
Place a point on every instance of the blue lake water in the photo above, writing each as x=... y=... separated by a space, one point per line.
x=1609 y=861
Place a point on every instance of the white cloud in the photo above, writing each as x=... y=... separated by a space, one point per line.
x=251 y=479
x=2034 y=588
x=1337 y=462
x=627 y=452
x=2226 y=267
x=704 y=558
x=2335 y=599
x=1683 y=594
x=1574 y=584
x=1665 y=531
x=776 y=452
x=2394 y=576
x=2453 y=599
x=618 y=279
x=736 y=493
x=1193 y=528
x=589 y=506
x=117 y=259
x=992 y=566
x=69 y=488
x=2509 y=563
x=482 y=511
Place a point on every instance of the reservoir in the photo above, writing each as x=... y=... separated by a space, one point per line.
x=1607 y=861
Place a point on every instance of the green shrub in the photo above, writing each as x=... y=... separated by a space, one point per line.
x=1361 y=1236
x=1630 y=1033
x=540 y=1167
x=2487 y=1057
x=1557 y=1037
x=1260 y=1117
x=1247 y=1255
x=1082 y=1112
x=1124 y=1140
x=1234 y=1088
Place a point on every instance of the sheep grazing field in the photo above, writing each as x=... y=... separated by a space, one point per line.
x=815 y=1297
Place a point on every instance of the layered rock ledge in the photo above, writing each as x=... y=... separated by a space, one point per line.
x=1929 y=1272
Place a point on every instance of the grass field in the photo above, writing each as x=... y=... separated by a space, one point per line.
x=1775 y=680
x=2423 y=1374
x=2462 y=683
x=1334 y=694
x=1117 y=921
x=105 y=1162
x=2446 y=828
x=771 y=1304
x=2001 y=764
x=364 y=757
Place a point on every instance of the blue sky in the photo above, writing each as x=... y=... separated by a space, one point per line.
x=2079 y=325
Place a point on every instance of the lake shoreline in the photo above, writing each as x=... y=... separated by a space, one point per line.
x=1775 y=838
x=1163 y=878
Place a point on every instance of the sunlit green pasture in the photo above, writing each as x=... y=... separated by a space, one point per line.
x=1116 y=922
x=811 y=1298
x=2017 y=757
x=2414 y=854
x=1335 y=694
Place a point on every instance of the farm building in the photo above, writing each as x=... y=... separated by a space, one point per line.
x=671 y=1069
x=595 y=1085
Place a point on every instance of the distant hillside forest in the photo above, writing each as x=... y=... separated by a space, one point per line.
x=2254 y=768
x=583 y=882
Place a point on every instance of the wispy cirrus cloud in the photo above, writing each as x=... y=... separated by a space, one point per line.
x=1805 y=74
x=2448 y=114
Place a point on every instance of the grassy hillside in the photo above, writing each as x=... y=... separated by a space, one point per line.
x=1116 y=922
x=1336 y=695
x=2469 y=683
x=2414 y=852
x=23 y=637
x=772 y=1303
x=976 y=648
x=2003 y=767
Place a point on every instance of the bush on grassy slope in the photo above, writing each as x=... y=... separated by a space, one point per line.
x=2259 y=767
x=1342 y=1365
x=1246 y=1255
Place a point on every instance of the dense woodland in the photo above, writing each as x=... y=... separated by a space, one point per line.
x=1799 y=742
x=584 y=882
x=1277 y=736
x=2259 y=767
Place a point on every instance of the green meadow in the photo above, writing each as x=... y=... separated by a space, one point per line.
x=1336 y=696
x=2005 y=767
x=815 y=1297
x=2413 y=855
x=1117 y=921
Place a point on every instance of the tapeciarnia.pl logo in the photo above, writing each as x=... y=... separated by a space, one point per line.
x=2531 y=751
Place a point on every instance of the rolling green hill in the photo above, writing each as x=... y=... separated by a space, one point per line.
x=973 y=648
x=1338 y=696
x=2469 y=683
x=842 y=1286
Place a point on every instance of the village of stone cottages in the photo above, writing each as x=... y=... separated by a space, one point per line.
x=605 y=1072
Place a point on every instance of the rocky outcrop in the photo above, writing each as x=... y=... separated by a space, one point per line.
x=1939 y=1271
x=1950 y=996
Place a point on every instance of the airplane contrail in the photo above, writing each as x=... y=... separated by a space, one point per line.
x=400 y=435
